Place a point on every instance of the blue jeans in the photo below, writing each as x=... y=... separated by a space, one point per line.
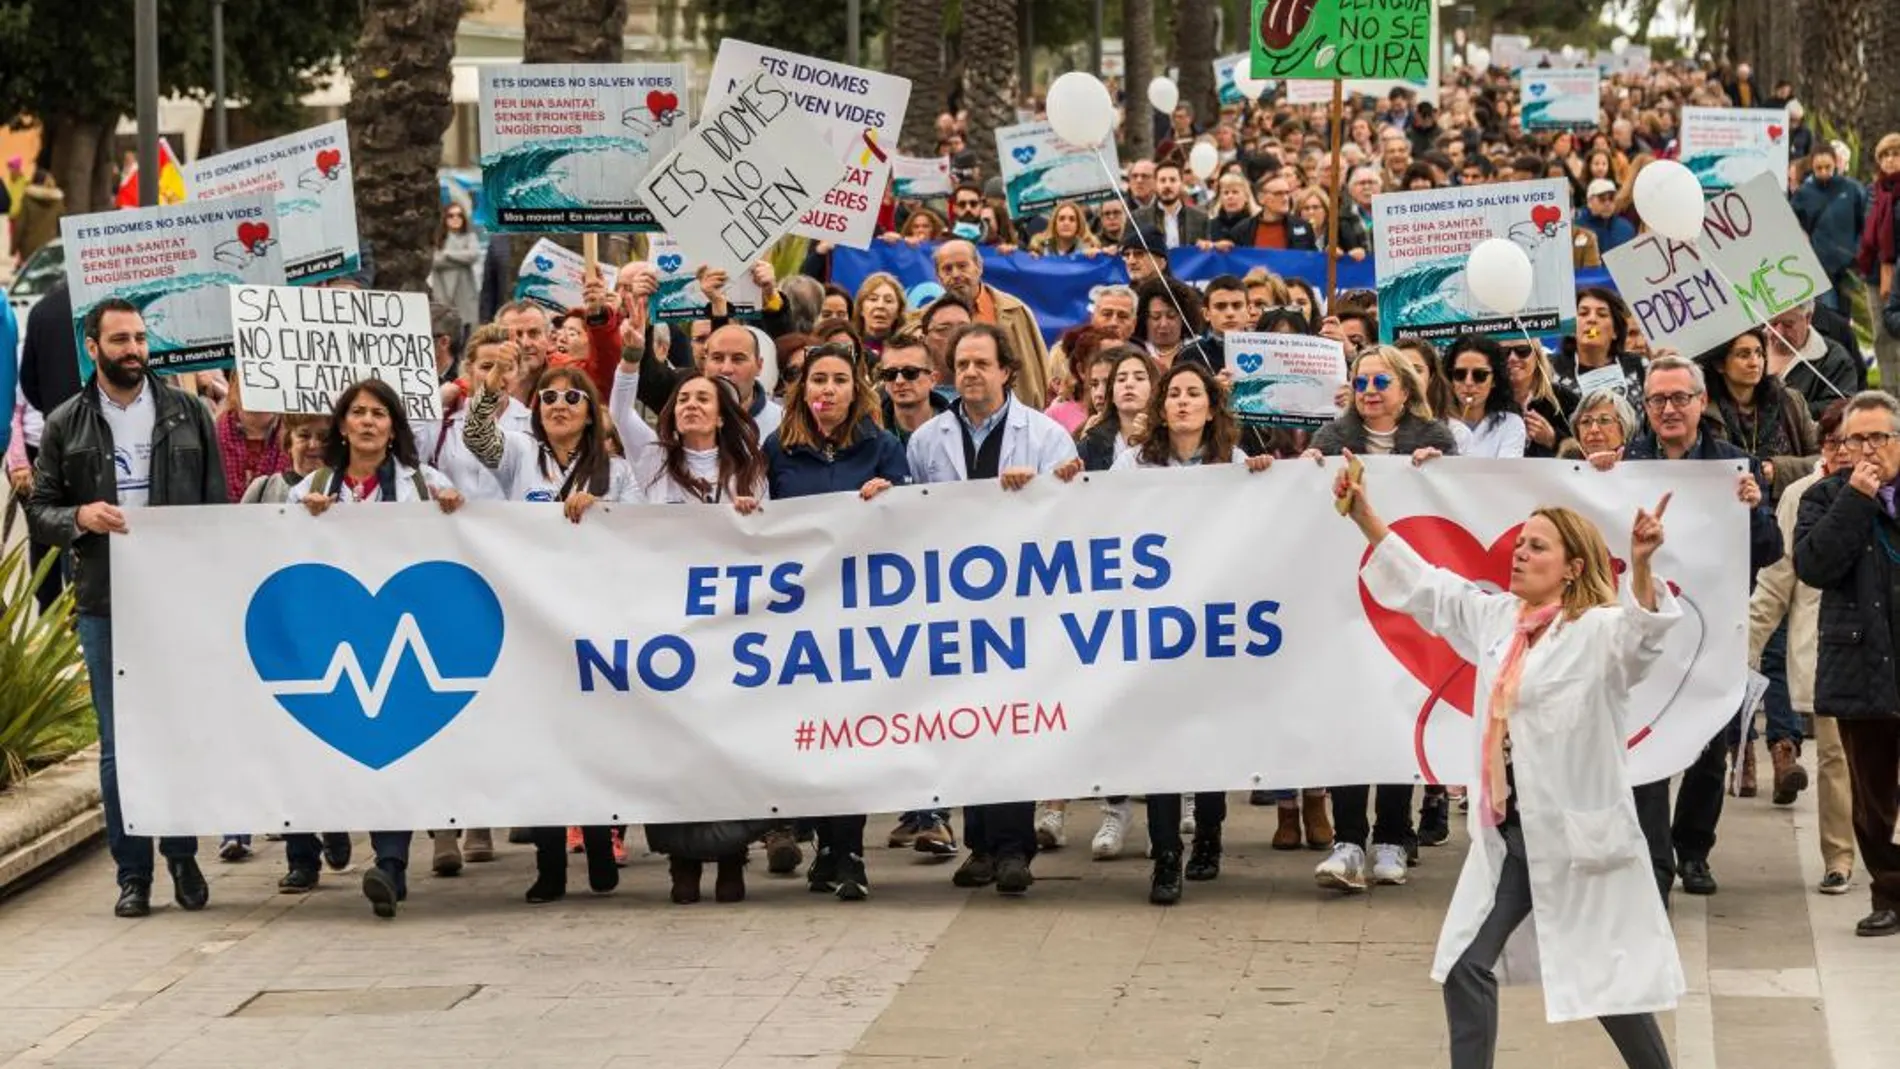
x=132 y=853
x=1783 y=721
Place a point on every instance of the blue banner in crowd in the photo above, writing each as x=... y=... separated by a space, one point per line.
x=1057 y=288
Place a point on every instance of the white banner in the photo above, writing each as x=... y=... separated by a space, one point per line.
x=1752 y=263
x=1559 y=100
x=1040 y=169
x=392 y=667
x=311 y=175
x=299 y=348
x=1726 y=147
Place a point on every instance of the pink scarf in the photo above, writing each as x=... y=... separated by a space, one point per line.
x=1530 y=624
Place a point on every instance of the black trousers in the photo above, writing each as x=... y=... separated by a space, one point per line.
x=550 y=848
x=1873 y=768
x=49 y=589
x=1690 y=836
x=1164 y=819
x=841 y=835
x=1002 y=829
x=1393 y=823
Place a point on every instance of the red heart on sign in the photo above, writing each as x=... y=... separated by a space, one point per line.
x=251 y=235
x=660 y=103
x=1282 y=20
x=329 y=160
x=1546 y=216
x=1774 y=133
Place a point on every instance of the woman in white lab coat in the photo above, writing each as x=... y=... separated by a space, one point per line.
x=1552 y=822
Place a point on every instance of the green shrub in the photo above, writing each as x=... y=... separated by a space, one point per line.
x=45 y=699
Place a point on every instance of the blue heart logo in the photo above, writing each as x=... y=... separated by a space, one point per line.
x=671 y=262
x=1023 y=153
x=374 y=675
x=1249 y=362
x=1535 y=89
x=543 y=263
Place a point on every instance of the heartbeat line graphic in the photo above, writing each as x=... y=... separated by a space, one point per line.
x=371 y=694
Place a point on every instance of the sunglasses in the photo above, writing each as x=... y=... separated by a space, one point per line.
x=1471 y=374
x=832 y=348
x=1517 y=352
x=570 y=396
x=908 y=374
x=1376 y=382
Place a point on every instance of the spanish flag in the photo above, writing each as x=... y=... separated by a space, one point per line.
x=171 y=180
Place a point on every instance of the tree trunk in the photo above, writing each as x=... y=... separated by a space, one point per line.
x=399 y=109
x=1881 y=114
x=1194 y=55
x=917 y=54
x=1840 y=82
x=76 y=144
x=573 y=31
x=989 y=83
x=1138 y=50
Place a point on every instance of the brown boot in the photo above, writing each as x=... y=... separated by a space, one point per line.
x=1790 y=778
x=1287 y=835
x=1318 y=821
x=685 y=880
x=729 y=885
x=1747 y=788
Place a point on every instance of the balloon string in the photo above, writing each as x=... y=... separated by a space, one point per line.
x=1114 y=183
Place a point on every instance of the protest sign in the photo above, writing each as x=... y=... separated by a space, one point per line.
x=1633 y=60
x=1040 y=169
x=944 y=645
x=1725 y=147
x=1285 y=380
x=1510 y=50
x=858 y=114
x=564 y=145
x=743 y=177
x=1751 y=263
x=1422 y=239
x=311 y=175
x=299 y=348
x=1559 y=100
x=925 y=178
x=173 y=263
x=1338 y=39
x=1234 y=80
x=551 y=276
x=679 y=296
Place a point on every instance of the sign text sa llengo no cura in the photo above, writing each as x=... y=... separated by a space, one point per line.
x=299 y=348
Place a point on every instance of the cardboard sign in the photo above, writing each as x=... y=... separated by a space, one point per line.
x=1421 y=241
x=173 y=262
x=1340 y=39
x=1751 y=263
x=744 y=178
x=1040 y=169
x=564 y=145
x=1559 y=100
x=914 y=178
x=310 y=173
x=679 y=296
x=858 y=113
x=1726 y=147
x=551 y=276
x=298 y=349
x=1285 y=380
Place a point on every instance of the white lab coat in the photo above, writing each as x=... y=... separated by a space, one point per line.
x=439 y=444
x=1030 y=440
x=1597 y=937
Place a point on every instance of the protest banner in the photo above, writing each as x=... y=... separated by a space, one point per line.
x=1285 y=380
x=1725 y=147
x=1422 y=239
x=1510 y=50
x=858 y=114
x=943 y=645
x=1633 y=60
x=1559 y=100
x=1341 y=39
x=1234 y=80
x=564 y=145
x=679 y=296
x=173 y=262
x=1040 y=169
x=299 y=348
x=551 y=276
x=1751 y=263
x=920 y=178
x=744 y=176
x=311 y=175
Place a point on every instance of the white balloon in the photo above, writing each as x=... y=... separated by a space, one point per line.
x=1498 y=274
x=1080 y=111
x=1669 y=200
x=1163 y=94
x=1202 y=159
x=1249 y=86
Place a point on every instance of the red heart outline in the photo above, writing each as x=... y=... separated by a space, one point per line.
x=661 y=103
x=251 y=235
x=1546 y=216
x=329 y=160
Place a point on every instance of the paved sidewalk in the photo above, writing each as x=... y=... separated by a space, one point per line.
x=1260 y=968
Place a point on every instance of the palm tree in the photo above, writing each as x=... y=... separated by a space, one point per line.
x=917 y=54
x=1194 y=47
x=1138 y=50
x=573 y=31
x=1881 y=114
x=399 y=109
x=989 y=74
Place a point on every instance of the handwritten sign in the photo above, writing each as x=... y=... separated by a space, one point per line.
x=1285 y=380
x=1040 y=169
x=744 y=178
x=1727 y=146
x=564 y=145
x=1339 y=39
x=551 y=276
x=679 y=296
x=299 y=348
x=1559 y=100
x=1751 y=263
x=310 y=174
x=858 y=113
x=1422 y=239
x=173 y=263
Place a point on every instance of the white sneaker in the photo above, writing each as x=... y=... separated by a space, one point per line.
x=1187 y=816
x=1109 y=838
x=1050 y=834
x=1344 y=869
x=1388 y=864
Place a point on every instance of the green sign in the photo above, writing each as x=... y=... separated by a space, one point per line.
x=1340 y=39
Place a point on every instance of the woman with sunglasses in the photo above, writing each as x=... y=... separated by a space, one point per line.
x=371 y=459
x=829 y=442
x=1542 y=401
x=1485 y=407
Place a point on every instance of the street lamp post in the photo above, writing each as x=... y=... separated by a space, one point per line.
x=220 y=129
x=145 y=78
x=851 y=32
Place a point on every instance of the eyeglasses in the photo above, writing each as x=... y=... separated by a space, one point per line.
x=908 y=374
x=1518 y=352
x=792 y=373
x=969 y=204
x=1589 y=422
x=1657 y=402
x=1860 y=442
x=1478 y=375
x=832 y=348
x=1376 y=382
x=1832 y=442
x=570 y=396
